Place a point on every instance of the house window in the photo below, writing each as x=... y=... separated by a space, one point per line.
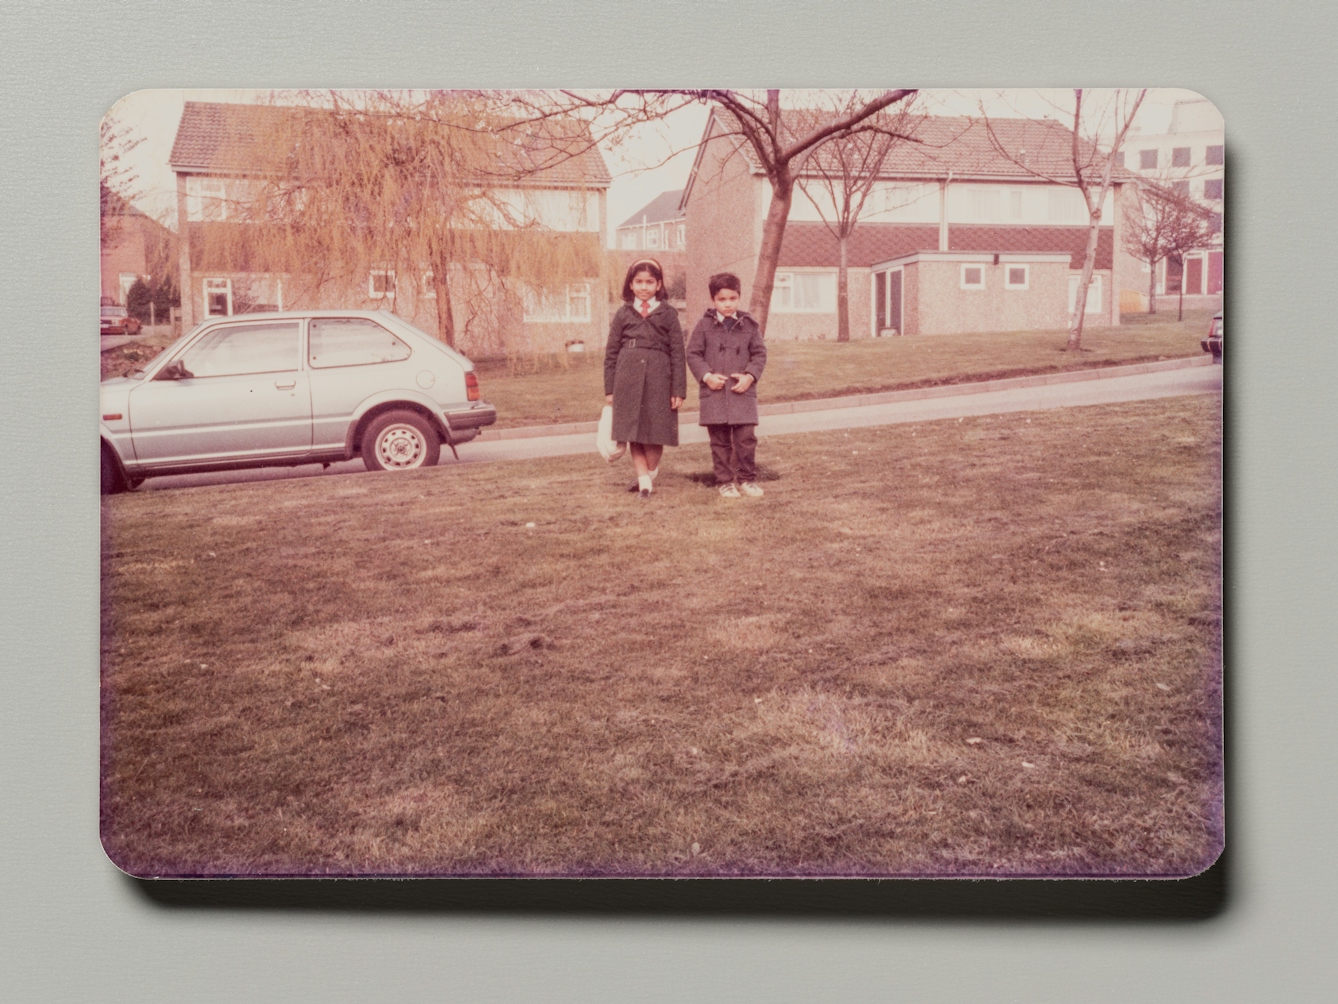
x=1214 y=155
x=627 y=240
x=804 y=293
x=1017 y=276
x=682 y=235
x=973 y=277
x=653 y=237
x=563 y=306
x=381 y=284
x=127 y=279
x=1180 y=156
x=1215 y=222
x=1119 y=158
x=217 y=297
x=1015 y=204
x=213 y=199
x=1212 y=188
x=1147 y=160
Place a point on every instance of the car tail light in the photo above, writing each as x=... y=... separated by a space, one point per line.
x=471 y=386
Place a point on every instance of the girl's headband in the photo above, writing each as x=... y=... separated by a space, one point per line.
x=648 y=261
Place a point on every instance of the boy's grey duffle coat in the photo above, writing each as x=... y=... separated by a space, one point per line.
x=643 y=368
x=713 y=348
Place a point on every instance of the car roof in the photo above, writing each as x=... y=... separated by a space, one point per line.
x=265 y=315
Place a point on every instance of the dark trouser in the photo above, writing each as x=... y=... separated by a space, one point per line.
x=734 y=452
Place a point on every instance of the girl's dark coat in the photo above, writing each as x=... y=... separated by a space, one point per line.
x=643 y=368
x=715 y=349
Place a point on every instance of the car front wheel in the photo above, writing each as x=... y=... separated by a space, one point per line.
x=111 y=477
x=399 y=441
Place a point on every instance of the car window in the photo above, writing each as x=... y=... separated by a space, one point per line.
x=235 y=349
x=352 y=341
x=113 y=312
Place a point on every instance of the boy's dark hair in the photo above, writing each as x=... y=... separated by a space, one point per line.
x=724 y=280
x=638 y=266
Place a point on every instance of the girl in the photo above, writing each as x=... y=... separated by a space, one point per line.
x=645 y=378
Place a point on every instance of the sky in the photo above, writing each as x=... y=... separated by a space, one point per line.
x=657 y=158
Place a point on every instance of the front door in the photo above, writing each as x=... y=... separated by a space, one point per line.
x=246 y=398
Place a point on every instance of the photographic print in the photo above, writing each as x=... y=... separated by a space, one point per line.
x=662 y=483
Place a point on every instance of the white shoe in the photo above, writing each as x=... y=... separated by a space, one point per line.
x=751 y=489
x=729 y=491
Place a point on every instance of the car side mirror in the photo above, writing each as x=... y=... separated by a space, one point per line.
x=175 y=370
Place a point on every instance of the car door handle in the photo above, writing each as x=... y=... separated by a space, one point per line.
x=285 y=386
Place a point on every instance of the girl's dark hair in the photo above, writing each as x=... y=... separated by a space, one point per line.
x=724 y=280
x=644 y=265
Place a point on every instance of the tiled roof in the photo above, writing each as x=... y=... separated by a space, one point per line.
x=222 y=139
x=1035 y=147
x=812 y=245
x=658 y=210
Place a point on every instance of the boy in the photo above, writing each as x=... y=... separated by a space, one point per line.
x=726 y=354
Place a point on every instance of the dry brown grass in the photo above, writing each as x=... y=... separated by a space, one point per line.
x=518 y=668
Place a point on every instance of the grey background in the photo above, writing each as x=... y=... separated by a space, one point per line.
x=75 y=929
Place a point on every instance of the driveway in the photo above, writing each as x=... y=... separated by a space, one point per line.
x=1085 y=387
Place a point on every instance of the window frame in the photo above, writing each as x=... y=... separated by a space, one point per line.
x=785 y=278
x=1180 y=156
x=372 y=294
x=1216 y=183
x=1143 y=158
x=961 y=276
x=1008 y=267
x=226 y=289
x=572 y=291
x=1215 y=159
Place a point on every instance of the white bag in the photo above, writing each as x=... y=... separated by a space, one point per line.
x=608 y=449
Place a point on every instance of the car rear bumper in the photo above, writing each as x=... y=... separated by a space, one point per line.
x=474 y=417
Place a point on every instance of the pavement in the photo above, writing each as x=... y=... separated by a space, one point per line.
x=1106 y=385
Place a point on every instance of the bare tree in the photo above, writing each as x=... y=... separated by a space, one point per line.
x=781 y=139
x=1170 y=225
x=839 y=180
x=117 y=178
x=1092 y=167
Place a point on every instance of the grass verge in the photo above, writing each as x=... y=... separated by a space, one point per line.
x=976 y=647
x=574 y=391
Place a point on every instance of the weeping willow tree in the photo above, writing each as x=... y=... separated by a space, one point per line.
x=429 y=204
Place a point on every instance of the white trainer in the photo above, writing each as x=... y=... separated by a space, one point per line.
x=751 y=489
x=729 y=491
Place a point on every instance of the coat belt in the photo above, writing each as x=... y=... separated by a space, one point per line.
x=643 y=343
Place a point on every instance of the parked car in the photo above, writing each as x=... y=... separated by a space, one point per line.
x=117 y=321
x=283 y=389
x=1213 y=342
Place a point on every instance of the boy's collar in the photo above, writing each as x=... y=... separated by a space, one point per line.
x=714 y=314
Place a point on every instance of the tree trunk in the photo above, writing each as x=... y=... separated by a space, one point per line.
x=1080 y=304
x=1152 y=289
x=773 y=232
x=1180 y=312
x=441 y=286
x=843 y=295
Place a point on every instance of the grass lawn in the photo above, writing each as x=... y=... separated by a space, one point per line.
x=987 y=646
x=804 y=370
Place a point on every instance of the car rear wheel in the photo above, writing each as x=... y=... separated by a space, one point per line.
x=399 y=441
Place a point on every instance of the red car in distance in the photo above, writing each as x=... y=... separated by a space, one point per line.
x=117 y=321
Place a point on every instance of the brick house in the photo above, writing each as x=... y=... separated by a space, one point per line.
x=211 y=161
x=134 y=246
x=954 y=237
x=1190 y=159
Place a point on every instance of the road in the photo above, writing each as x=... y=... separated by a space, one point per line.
x=1065 y=394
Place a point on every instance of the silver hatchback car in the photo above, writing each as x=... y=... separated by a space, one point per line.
x=283 y=389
